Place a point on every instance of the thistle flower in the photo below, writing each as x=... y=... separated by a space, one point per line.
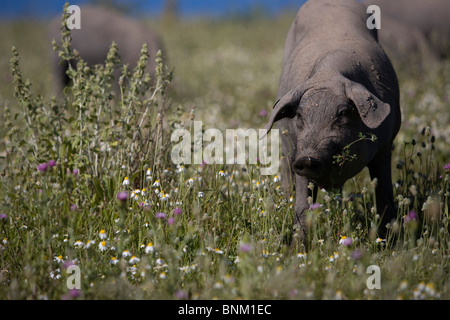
x=122 y=196
x=177 y=211
x=42 y=167
x=346 y=241
x=51 y=163
x=160 y=215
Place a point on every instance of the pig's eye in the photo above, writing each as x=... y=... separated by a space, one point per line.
x=343 y=113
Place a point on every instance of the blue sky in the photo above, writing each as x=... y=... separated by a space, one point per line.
x=188 y=8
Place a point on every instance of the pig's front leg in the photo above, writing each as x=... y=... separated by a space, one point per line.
x=380 y=168
x=300 y=209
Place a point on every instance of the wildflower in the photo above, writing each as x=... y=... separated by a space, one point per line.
x=164 y=196
x=379 y=240
x=156 y=183
x=78 y=244
x=55 y=275
x=122 y=196
x=160 y=215
x=3 y=216
x=149 y=172
x=89 y=244
x=134 y=260
x=126 y=181
x=320 y=241
x=102 y=234
x=171 y=221
x=144 y=192
x=315 y=206
x=177 y=211
x=126 y=253
x=75 y=172
x=73 y=207
x=218 y=251
x=182 y=295
x=163 y=275
x=245 y=247
x=51 y=163
x=201 y=194
x=301 y=255
x=149 y=248
x=356 y=255
x=263 y=113
x=113 y=261
x=411 y=216
x=190 y=182
x=447 y=167
x=59 y=259
x=346 y=241
x=42 y=167
x=102 y=246
x=180 y=169
x=5 y=241
x=222 y=173
x=276 y=179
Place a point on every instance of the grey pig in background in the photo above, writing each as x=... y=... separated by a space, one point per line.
x=100 y=26
x=430 y=17
x=336 y=83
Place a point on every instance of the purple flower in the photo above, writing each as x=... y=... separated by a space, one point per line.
x=3 y=216
x=122 y=196
x=180 y=294
x=73 y=207
x=447 y=167
x=42 y=167
x=177 y=211
x=51 y=163
x=356 y=255
x=411 y=216
x=75 y=172
x=315 y=206
x=171 y=221
x=347 y=242
x=245 y=247
x=160 y=215
x=72 y=294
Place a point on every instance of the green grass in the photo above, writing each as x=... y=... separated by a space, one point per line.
x=231 y=239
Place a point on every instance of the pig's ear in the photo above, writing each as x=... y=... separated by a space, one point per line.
x=286 y=106
x=372 y=110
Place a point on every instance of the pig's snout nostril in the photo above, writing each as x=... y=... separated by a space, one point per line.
x=309 y=167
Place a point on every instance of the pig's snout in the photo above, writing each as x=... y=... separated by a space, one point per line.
x=309 y=167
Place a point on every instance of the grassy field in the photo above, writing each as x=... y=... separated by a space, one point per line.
x=86 y=180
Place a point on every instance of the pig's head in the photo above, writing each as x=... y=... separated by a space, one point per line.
x=323 y=120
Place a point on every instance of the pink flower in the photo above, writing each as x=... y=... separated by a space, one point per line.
x=177 y=211
x=315 y=206
x=245 y=247
x=51 y=163
x=171 y=221
x=122 y=196
x=160 y=215
x=42 y=167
